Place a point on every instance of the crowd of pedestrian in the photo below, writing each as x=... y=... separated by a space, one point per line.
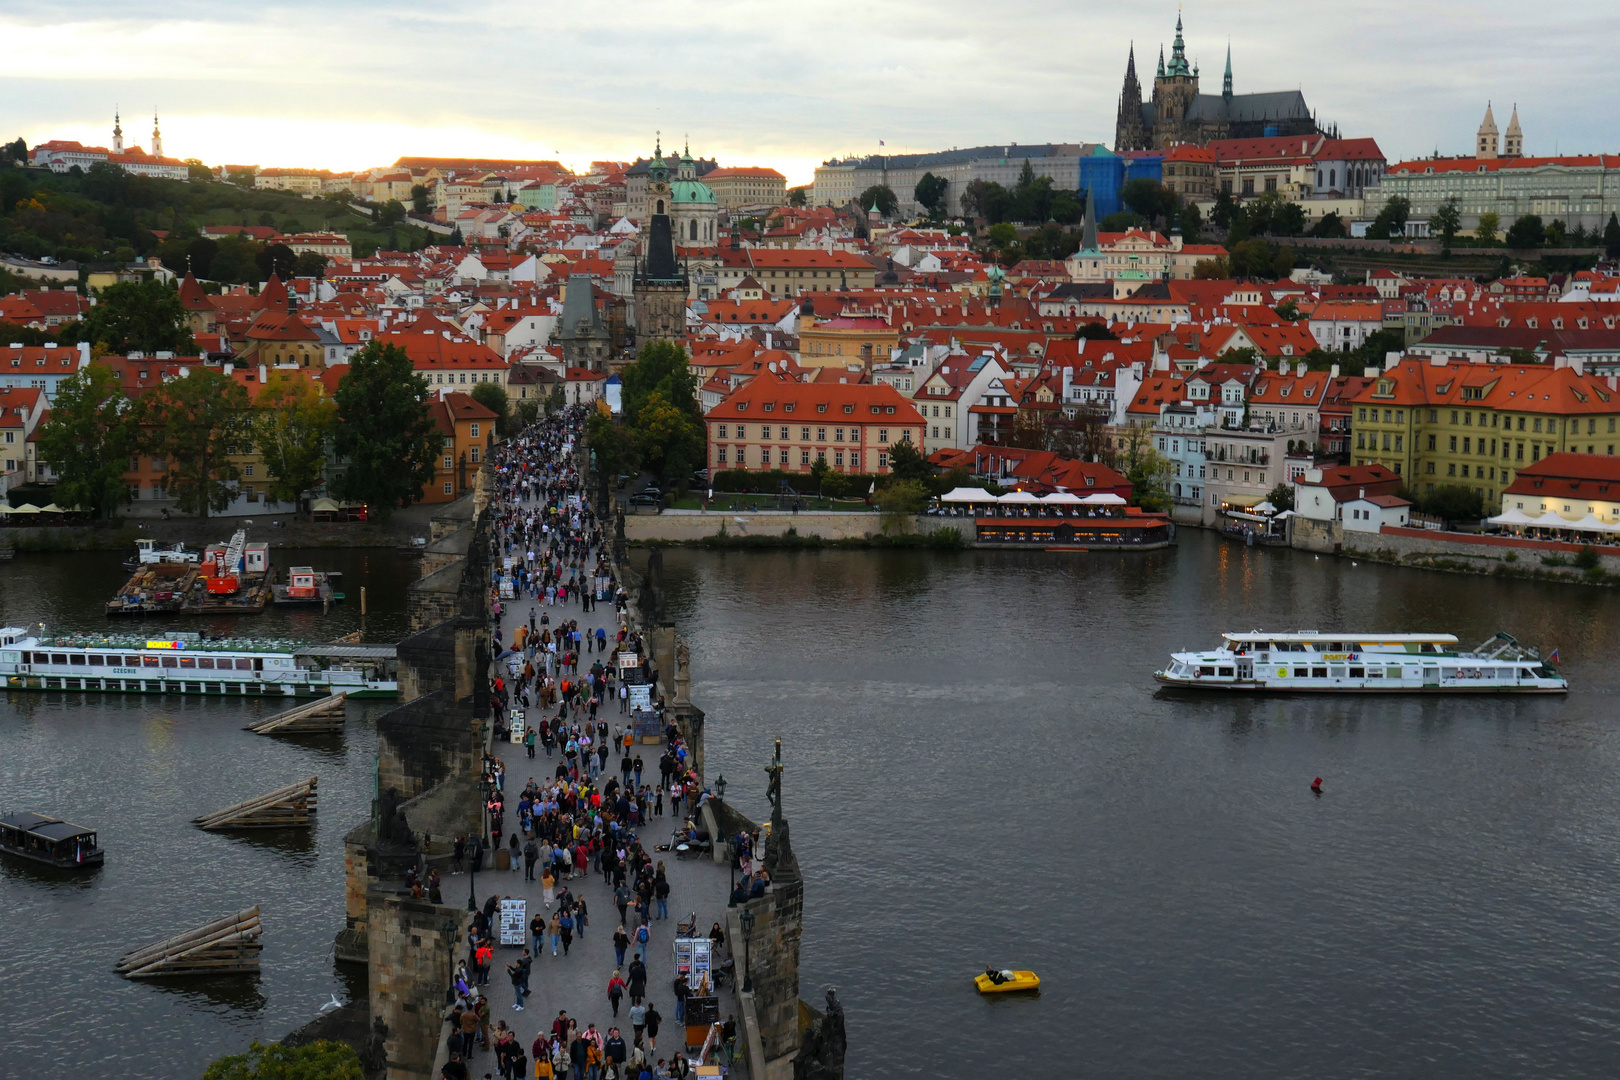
x=582 y=817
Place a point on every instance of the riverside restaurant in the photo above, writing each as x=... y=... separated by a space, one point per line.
x=1059 y=521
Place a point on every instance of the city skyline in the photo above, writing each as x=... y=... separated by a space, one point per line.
x=787 y=100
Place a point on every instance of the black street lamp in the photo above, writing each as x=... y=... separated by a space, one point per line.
x=720 y=785
x=747 y=921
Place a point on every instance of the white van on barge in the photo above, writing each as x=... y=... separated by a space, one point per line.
x=1339 y=663
x=188 y=663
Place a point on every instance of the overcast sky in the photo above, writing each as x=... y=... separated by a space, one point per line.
x=348 y=84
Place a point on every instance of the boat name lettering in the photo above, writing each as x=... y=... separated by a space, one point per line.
x=1340 y=656
x=124 y=671
x=165 y=644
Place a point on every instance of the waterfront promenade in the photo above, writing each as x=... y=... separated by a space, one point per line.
x=577 y=983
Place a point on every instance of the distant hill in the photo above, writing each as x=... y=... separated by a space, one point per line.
x=106 y=215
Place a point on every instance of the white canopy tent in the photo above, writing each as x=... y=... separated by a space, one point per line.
x=967 y=495
x=1105 y=498
x=1264 y=508
x=1018 y=498
x=1062 y=498
x=1512 y=517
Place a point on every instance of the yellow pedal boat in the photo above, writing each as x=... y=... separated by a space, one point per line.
x=1021 y=980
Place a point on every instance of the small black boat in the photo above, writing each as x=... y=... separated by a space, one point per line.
x=50 y=841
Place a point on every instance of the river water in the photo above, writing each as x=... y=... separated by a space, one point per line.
x=138 y=769
x=980 y=770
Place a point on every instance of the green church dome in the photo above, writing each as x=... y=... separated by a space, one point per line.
x=690 y=191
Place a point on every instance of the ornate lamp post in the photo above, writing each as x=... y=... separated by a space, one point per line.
x=747 y=921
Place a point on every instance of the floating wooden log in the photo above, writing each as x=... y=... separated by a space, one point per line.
x=282 y=808
x=321 y=717
x=223 y=947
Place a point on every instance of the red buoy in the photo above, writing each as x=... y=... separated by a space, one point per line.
x=1316 y=785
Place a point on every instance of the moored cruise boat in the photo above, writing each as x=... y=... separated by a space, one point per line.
x=192 y=664
x=1310 y=661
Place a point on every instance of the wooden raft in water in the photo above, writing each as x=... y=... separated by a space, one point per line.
x=279 y=809
x=320 y=717
x=223 y=947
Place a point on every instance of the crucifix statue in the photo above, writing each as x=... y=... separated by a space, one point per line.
x=773 y=790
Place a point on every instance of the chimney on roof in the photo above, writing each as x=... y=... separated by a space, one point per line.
x=1362 y=494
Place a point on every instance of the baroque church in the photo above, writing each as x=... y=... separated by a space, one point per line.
x=1178 y=113
x=660 y=283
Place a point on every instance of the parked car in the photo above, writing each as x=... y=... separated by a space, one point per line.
x=645 y=498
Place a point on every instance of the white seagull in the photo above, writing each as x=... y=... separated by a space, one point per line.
x=333 y=1004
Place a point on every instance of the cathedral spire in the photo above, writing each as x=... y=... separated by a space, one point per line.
x=1161 y=61
x=1130 y=65
x=1513 y=138
x=1178 y=52
x=1485 y=144
x=1226 y=84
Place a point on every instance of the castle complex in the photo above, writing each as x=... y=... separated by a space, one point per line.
x=1178 y=113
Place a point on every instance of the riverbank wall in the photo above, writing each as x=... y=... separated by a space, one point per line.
x=400 y=530
x=1467 y=553
x=701 y=526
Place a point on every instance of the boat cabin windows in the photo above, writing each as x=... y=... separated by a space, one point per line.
x=149 y=661
x=1226 y=671
x=76 y=659
x=1319 y=673
x=1428 y=647
x=133 y=661
x=188 y=662
x=97 y=660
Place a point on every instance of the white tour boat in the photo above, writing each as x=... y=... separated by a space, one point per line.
x=191 y=664
x=1364 y=663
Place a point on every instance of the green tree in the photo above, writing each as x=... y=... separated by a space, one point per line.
x=1526 y=233
x=492 y=397
x=882 y=196
x=930 y=193
x=392 y=212
x=669 y=438
x=1002 y=235
x=319 y=1060
x=277 y=259
x=1330 y=227
x=144 y=315
x=901 y=500
x=385 y=429
x=1120 y=221
x=87 y=440
x=907 y=463
x=14 y=153
x=1490 y=222
x=1282 y=497
x=1192 y=223
x=1146 y=469
x=1453 y=502
x=1447 y=220
x=660 y=366
x=614 y=446
x=796 y=197
x=1391 y=220
x=291 y=423
x=310 y=264
x=819 y=472
x=419 y=200
x=194 y=422
x=1611 y=237
x=1147 y=197
x=198 y=171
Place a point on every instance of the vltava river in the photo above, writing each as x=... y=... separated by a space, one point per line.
x=979 y=771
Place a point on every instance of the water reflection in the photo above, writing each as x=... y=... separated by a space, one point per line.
x=225 y=993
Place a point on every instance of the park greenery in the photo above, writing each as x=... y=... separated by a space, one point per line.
x=104 y=215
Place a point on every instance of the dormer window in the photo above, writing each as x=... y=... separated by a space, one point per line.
x=770 y=406
x=849 y=409
x=821 y=408
x=742 y=406
x=788 y=407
